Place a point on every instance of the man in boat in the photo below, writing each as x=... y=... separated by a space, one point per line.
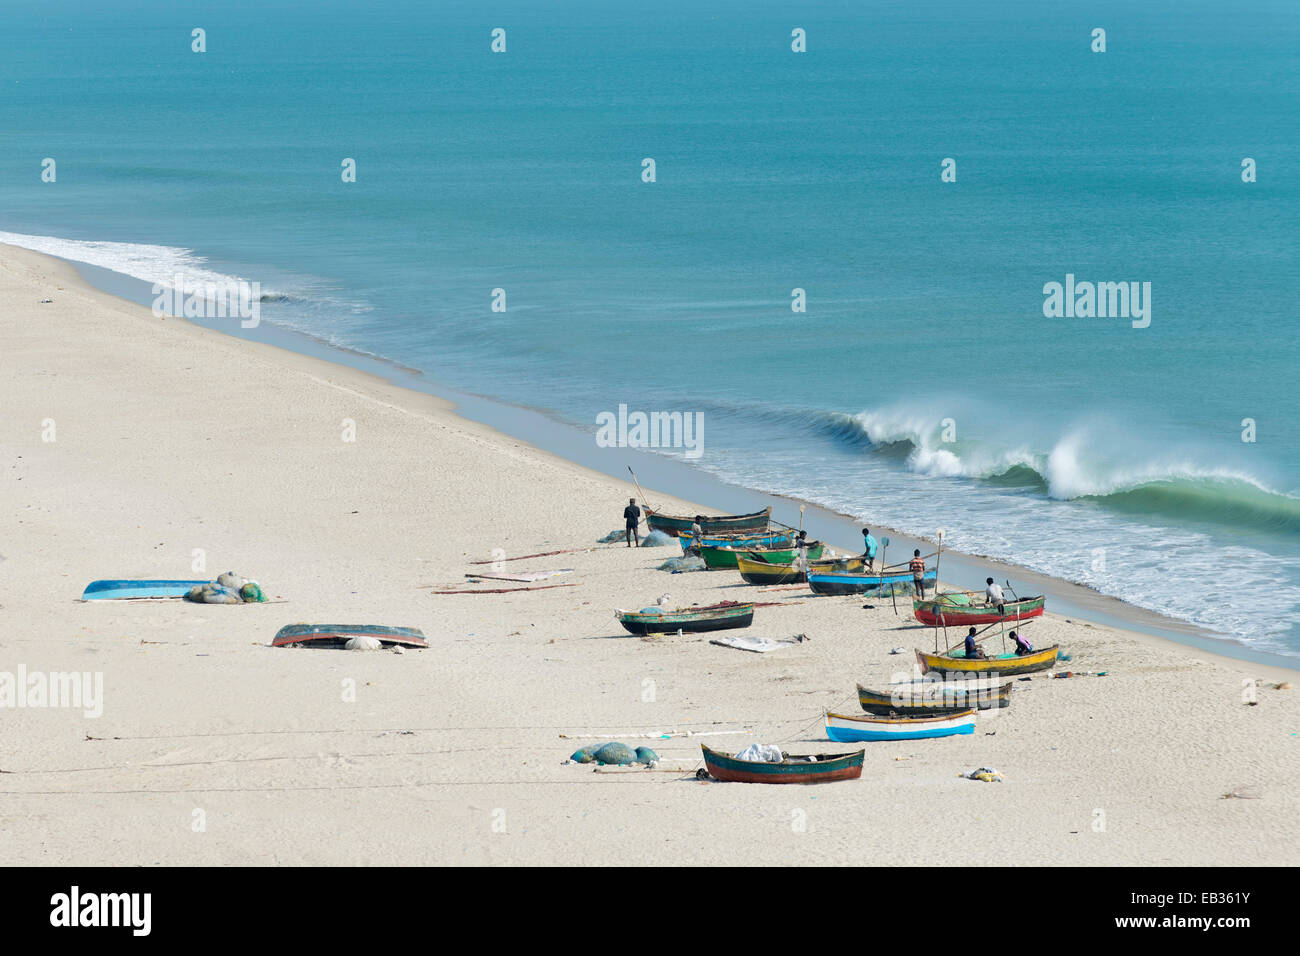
x=868 y=550
x=992 y=593
x=631 y=518
x=917 y=564
x=973 y=651
x=1023 y=647
x=697 y=535
x=801 y=552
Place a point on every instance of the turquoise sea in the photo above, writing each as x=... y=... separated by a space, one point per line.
x=923 y=387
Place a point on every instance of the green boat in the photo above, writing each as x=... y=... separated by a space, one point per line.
x=715 y=558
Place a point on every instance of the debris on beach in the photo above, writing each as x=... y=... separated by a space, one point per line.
x=618 y=534
x=985 y=774
x=539 y=587
x=1241 y=793
x=759 y=645
x=527 y=577
x=657 y=539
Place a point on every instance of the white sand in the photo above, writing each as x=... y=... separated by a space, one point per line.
x=170 y=439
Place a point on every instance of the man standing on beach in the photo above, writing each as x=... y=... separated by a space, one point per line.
x=868 y=549
x=631 y=518
x=917 y=564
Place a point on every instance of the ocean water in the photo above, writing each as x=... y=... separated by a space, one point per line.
x=923 y=387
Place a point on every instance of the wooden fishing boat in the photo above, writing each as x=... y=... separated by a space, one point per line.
x=716 y=558
x=762 y=540
x=712 y=617
x=1003 y=665
x=918 y=698
x=814 y=768
x=121 y=590
x=335 y=636
x=848 y=582
x=710 y=524
x=762 y=572
x=844 y=727
x=944 y=611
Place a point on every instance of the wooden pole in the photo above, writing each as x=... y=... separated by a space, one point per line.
x=638 y=488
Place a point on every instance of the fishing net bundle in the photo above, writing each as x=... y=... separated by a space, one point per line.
x=686 y=562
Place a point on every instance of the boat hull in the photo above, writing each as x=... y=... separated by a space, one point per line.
x=827 y=769
x=937 y=614
x=718 y=558
x=688 y=621
x=117 y=590
x=761 y=541
x=716 y=524
x=922 y=698
x=1003 y=665
x=846 y=728
x=838 y=582
x=334 y=636
x=761 y=572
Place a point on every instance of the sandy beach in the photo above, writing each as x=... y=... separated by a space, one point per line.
x=135 y=447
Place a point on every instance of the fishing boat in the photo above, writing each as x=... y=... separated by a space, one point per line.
x=1003 y=665
x=949 y=610
x=712 y=617
x=335 y=636
x=709 y=524
x=843 y=728
x=753 y=571
x=922 y=697
x=716 y=558
x=814 y=768
x=849 y=582
x=121 y=590
x=762 y=540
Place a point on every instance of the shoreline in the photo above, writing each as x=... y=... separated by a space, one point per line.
x=139 y=447
x=691 y=485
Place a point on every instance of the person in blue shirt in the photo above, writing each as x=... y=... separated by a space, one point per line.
x=869 y=549
x=972 y=649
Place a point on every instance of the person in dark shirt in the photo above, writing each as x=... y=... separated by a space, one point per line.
x=972 y=649
x=631 y=518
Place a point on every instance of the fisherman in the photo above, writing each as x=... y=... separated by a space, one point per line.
x=1023 y=647
x=801 y=552
x=631 y=518
x=868 y=549
x=917 y=565
x=973 y=651
x=992 y=593
x=697 y=536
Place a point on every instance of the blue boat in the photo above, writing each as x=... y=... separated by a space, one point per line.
x=118 y=590
x=845 y=727
x=849 y=582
